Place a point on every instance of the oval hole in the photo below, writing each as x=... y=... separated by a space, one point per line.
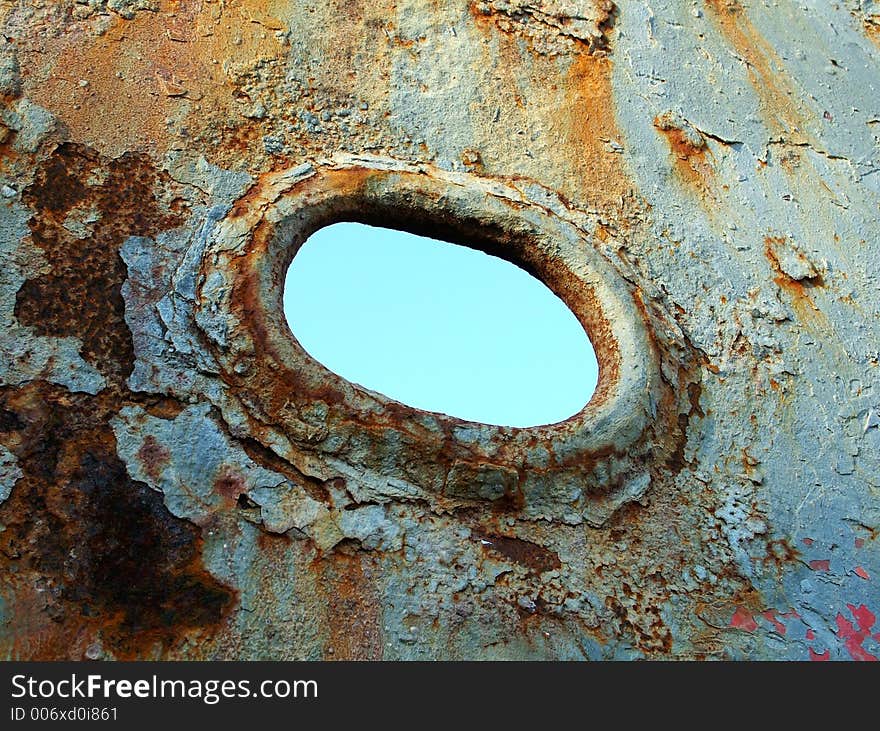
x=438 y=326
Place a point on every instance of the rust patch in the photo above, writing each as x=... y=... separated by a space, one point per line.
x=800 y=297
x=84 y=209
x=640 y=619
x=781 y=555
x=871 y=25
x=799 y=290
x=88 y=552
x=578 y=112
x=690 y=152
x=695 y=390
x=589 y=128
x=676 y=461
x=153 y=456
x=533 y=556
x=162 y=407
x=472 y=159
x=161 y=66
x=352 y=607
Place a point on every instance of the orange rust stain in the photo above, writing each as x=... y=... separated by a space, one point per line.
x=799 y=290
x=692 y=162
x=801 y=301
x=641 y=617
x=590 y=125
x=748 y=462
x=872 y=28
x=765 y=69
x=116 y=91
x=472 y=159
x=352 y=608
x=780 y=555
x=578 y=113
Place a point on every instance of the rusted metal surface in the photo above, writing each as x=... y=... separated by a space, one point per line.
x=698 y=182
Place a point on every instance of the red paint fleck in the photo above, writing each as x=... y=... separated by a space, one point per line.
x=820 y=657
x=807 y=541
x=790 y=614
x=823 y=565
x=743 y=619
x=864 y=616
x=859 y=542
x=860 y=572
x=811 y=635
x=852 y=637
x=770 y=616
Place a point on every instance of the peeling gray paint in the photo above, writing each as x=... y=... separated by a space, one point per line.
x=9 y=473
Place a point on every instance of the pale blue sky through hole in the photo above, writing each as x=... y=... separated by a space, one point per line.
x=438 y=326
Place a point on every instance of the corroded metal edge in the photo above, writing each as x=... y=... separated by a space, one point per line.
x=609 y=448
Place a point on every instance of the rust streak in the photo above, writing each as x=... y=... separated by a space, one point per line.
x=765 y=68
x=693 y=159
x=798 y=290
x=353 y=610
